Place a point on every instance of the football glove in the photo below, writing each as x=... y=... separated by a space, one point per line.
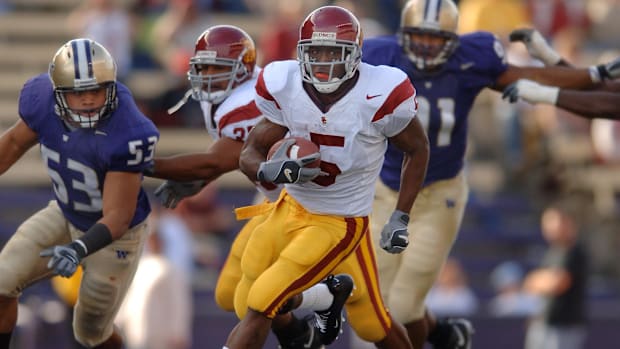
x=282 y=169
x=170 y=193
x=610 y=70
x=394 y=236
x=531 y=92
x=536 y=45
x=64 y=259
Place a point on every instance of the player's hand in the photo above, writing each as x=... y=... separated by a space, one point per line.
x=394 y=236
x=531 y=92
x=282 y=169
x=170 y=193
x=64 y=259
x=610 y=70
x=536 y=45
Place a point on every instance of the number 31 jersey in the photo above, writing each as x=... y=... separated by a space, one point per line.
x=77 y=160
x=445 y=98
x=352 y=134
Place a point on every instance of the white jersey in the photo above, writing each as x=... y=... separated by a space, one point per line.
x=352 y=134
x=234 y=118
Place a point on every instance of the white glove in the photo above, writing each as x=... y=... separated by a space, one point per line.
x=536 y=45
x=531 y=92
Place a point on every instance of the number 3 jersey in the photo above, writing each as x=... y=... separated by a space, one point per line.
x=77 y=160
x=352 y=134
x=445 y=98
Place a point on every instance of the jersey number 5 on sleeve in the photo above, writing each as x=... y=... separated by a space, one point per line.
x=446 y=118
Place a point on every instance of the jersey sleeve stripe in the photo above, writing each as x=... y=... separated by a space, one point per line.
x=261 y=89
x=403 y=91
x=242 y=113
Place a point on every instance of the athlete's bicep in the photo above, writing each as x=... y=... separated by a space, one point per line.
x=412 y=138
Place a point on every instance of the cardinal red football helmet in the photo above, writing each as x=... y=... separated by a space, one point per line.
x=335 y=27
x=222 y=46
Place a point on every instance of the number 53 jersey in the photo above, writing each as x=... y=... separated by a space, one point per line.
x=351 y=135
x=77 y=160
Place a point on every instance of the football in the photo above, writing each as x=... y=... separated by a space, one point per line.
x=299 y=149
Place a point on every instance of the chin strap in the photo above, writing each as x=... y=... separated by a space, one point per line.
x=180 y=103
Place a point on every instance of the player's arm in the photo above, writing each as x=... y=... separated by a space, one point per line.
x=564 y=77
x=14 y=142
x=255 y=149
x=221 y=157
x=414 y=143
x=120 y=198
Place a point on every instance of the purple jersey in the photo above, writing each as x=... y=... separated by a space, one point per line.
x=77 y=161
x=444 y=98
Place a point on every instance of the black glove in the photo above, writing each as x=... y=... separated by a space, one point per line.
x=394 y=236
x=282 y=169
x=610 y=70
x=170 y=193
x=64 y=258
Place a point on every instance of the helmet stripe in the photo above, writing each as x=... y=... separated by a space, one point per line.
x=431 y=11
x=89 y=58
x=76 y=62
x=82 y=59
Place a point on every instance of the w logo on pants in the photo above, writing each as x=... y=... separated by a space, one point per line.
x=120 y=254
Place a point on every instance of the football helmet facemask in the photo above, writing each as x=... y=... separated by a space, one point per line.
x=223 y=46
x=330 y=26
x=83 y=65
x=437 y=19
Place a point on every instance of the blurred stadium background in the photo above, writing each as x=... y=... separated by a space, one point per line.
x=520 y=157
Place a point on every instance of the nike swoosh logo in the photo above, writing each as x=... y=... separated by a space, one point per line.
x=371 y=97
x=467 y=65
x=287 y=174
x=97 y=132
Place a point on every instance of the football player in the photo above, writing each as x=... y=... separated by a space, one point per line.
x=601 y=102
x=95 y=144
x=222 y=75
x=449 y=71
x=319 y=224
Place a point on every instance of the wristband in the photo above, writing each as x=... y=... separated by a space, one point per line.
x=95 y=238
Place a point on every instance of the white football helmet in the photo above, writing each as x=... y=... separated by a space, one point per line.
x=82 y=65
x=330 y=26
